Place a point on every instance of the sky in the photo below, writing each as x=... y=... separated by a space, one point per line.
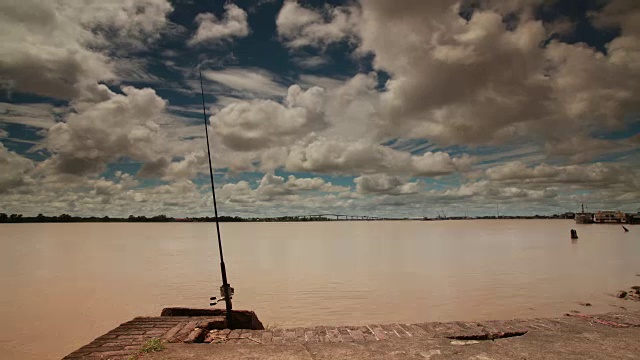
x=404 y=108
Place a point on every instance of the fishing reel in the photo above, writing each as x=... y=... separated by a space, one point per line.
x=215 y=300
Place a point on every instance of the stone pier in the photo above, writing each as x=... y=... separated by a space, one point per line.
x=573 y=336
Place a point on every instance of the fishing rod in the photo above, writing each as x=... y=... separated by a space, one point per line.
x=226 y=291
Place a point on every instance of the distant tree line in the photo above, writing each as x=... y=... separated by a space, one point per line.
x=66 y=218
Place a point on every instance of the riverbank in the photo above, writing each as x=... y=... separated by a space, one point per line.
x=573 y=336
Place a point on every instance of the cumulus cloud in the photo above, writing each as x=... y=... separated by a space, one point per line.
x=14 y=169
x=187 y=168
x=623 y=14
x=272 y=188
x=488 y=77
x=299 y=27
x=489 y=191
x=58 y=48
x=108 y=190
x=271 y=185
x=213 y=30
x=485 y=80
x=385 y=184
x=259 y=133
x=260 y=124
x=331 y=156
x=118 y=197
x=123 y=125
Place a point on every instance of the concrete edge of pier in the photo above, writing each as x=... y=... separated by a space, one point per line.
x=573 y=336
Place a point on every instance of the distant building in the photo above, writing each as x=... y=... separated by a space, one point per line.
x=609 y=216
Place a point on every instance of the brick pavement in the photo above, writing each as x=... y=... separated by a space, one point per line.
x=127 y=339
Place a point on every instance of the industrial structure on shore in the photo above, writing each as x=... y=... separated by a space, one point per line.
x=606 y=217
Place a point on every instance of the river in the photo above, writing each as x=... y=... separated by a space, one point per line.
x=61 y=285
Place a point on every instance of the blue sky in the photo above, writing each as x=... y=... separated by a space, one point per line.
x=353 y=107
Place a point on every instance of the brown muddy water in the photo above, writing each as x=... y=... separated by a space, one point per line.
x=61 y=285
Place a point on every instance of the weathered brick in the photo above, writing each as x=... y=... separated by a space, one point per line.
x=345 y=336
x=97 y=343
x=267 y=337
x=107 y=354
x=389 y=331
x=321 y=333
x=158 y=332
x=333 y=334
x=413 y=329
x=377 y=332
x=122 y=344
x=130 y=332
x=278 y=336
x=151 y=326
x=430 y=328
x=133 y=337
x=299 y=335
x=356 y=335
x=401 y=331
x=195 y=335
x=255 y=335
x=108 y=347
x=367 y=333
x=171 y=333
x=185 y=331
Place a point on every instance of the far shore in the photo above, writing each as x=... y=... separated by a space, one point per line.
x=65 y=218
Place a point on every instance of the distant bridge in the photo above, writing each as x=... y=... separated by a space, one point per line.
x=341 y=217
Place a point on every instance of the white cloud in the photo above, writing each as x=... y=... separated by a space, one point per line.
x=260 y=124
x=592 y=175
x=255 y=82
x=38 y=115
x=213 y=30
x=14 y=169
x=299 y=27
x=482 y=193
x=451 y=81
x=485 y=82
x=329 y=156
x=98 y=133
x=63 y=43
x=273 y=189
x=385 y=184
x=188 y=168
x=352 y=107
x=625 y=49
x=271 y=185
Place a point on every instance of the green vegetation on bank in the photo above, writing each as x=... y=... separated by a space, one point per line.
x=65 y=218
x=153 y=345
